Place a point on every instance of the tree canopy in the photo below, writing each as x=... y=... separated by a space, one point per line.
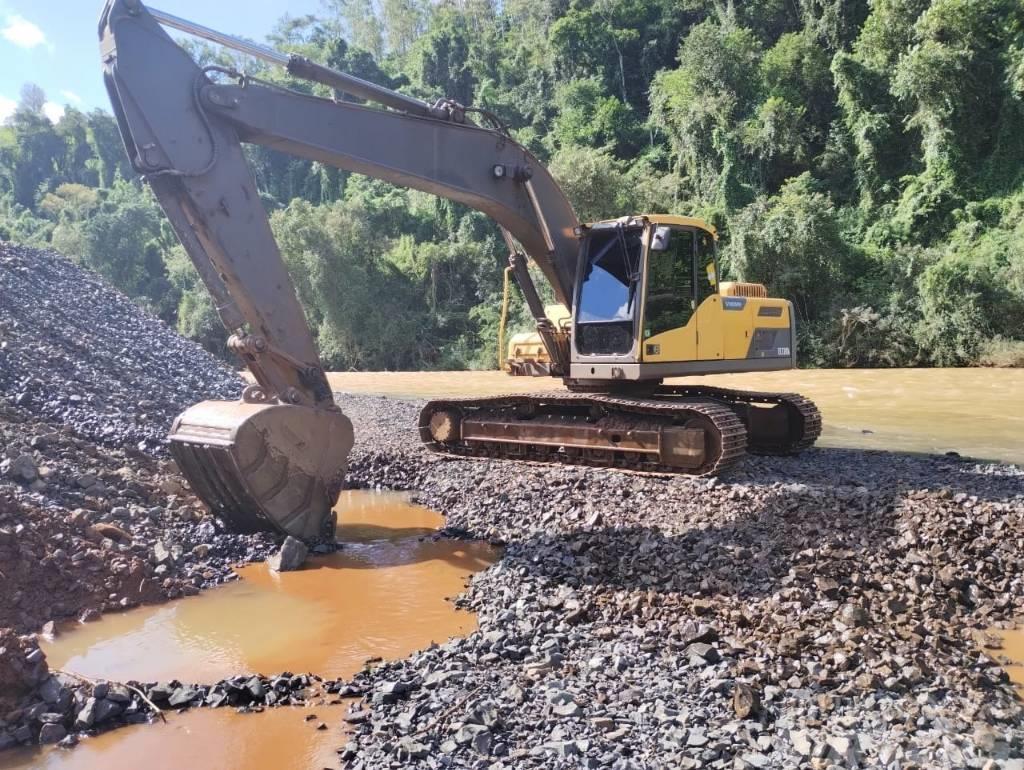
x=864 y=158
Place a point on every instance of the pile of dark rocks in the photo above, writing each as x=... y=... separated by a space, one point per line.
x=829 y=610
x=79 y=353
x=94 y=517
x=86 y=529
x=59 y=707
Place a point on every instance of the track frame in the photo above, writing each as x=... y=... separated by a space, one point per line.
x=733 y=422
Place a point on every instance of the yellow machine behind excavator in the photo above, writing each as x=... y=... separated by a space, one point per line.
x=637 y=299
x=526 y=355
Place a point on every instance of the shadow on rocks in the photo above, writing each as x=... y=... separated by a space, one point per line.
x=903 y=538
x=757 y=553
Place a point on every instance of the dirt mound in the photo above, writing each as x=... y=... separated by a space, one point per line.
x=87 y=529
x=93 y=516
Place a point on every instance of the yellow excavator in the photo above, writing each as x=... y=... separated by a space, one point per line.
x=643 y=294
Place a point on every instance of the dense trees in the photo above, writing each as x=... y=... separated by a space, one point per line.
x=865 y=158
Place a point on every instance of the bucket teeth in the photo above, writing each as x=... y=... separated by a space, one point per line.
x=264 y=467
x=214 y=477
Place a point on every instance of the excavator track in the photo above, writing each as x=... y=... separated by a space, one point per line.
x=777 y=423
x=622 y=431
x=694 y=436
x=276 y=458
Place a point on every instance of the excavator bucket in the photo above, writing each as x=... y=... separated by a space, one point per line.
x=265 y=466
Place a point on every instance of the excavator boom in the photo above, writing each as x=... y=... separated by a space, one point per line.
x=277 y=459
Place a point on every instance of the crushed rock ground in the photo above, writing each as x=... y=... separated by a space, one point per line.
x=830 y=610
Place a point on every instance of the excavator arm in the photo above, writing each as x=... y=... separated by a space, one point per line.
x=277 y=458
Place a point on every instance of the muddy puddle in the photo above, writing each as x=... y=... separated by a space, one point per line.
x=1012 y=650
x=203 y=740
x=975 y=412
x=385 y=594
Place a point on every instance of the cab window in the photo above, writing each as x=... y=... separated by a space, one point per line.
x=670 y=280
x=707 y=275
x=609 y=291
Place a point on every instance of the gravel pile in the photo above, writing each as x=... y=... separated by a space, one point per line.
x=826 y=610
x=93 y=516
x=85 y=530
x=79 y=353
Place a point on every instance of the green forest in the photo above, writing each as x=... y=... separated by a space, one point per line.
x=863 y=158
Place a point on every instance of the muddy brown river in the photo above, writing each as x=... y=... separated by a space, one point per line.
x=384 y=594
x=976 y=412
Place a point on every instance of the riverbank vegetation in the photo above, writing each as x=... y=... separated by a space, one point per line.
x=864 y=158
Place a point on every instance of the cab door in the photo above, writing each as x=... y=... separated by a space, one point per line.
x=710 y=309
x=669 y=332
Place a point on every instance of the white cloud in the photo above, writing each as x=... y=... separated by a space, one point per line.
x=71 y=96
x=22 y=32
x=7 y=108
x=53 y=111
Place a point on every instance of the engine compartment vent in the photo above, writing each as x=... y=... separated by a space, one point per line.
x=740 y=289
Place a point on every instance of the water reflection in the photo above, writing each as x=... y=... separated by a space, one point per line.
x=383 y=594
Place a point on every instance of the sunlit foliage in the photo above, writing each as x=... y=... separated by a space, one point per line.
x=865 y=158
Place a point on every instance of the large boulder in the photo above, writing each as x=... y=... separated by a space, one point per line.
x=21 y=468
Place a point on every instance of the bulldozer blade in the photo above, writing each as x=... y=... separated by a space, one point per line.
x=272 y=467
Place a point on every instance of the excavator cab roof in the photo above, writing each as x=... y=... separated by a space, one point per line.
x=656 y=219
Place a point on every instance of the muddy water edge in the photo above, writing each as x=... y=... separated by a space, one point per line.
x=1010 y=652
x=385 y=594
x=974 y=412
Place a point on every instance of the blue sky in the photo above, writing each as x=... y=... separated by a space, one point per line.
x=53 y=42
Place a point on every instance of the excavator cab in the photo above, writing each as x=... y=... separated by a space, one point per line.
x=649 y=305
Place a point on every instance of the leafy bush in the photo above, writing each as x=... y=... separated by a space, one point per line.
x=792 y=243
x=1002 y=353
x=862 y=337
x=594 y=181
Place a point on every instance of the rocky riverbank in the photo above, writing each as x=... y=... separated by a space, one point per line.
x=826 y=610
x=62 y=706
